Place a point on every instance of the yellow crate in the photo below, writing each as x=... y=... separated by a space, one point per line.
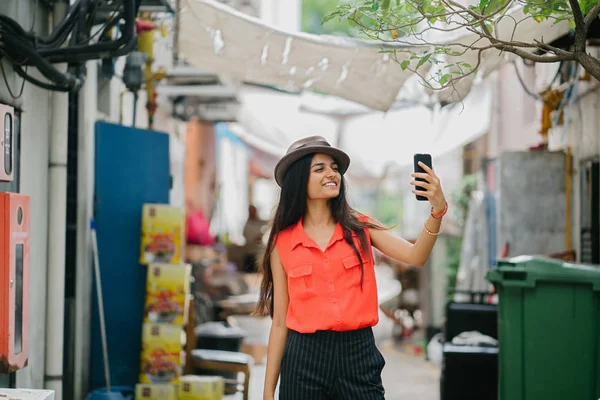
x=155 y=391
x=163 y=229
x=161 y=353
x=167 y=289
x=192 y=387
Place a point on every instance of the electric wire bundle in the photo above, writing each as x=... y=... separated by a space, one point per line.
x=70 y=42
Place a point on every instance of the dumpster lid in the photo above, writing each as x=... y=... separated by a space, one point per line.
x=526 y=271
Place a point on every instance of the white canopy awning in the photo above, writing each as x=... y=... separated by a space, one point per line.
x=219 y=39
x=269 y=122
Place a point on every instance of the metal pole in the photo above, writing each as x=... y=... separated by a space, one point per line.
x=100 y=307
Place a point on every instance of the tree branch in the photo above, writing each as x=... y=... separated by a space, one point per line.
x=534 y=57
x=591 y=16
x=577 y=15
x=580 y=28
x=589 y=63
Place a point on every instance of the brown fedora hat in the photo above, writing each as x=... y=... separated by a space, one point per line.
x=309 y=145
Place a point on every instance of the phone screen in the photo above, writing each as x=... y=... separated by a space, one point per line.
x=425 y=159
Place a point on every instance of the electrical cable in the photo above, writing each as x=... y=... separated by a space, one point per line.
x=67 y=54
x=24 y=49
x=37 y=82
x=26 y=77
x=8 y=86
x=47 y=69
x=112 y=21
x=533 y=95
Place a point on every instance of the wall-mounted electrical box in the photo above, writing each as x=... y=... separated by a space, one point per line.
x=7 y=142
x=14 y=281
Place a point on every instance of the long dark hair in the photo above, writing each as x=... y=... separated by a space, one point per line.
x=292 y=207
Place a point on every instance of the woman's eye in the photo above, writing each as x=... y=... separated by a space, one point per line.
x=319 y=170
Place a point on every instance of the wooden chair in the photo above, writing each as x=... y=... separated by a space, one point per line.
x=215 y=360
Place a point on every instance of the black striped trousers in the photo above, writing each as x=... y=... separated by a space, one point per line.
x=329 y=365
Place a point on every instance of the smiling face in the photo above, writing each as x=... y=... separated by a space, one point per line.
x=324 y=180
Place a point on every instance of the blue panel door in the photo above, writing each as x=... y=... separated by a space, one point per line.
x=132 y=168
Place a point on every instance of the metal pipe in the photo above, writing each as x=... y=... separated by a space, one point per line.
x=176 y=32
x=87 y=115
x=568 y=179
x=57 y=217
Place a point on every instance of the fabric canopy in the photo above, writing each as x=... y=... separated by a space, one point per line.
x=269 y=122
x=218 y=39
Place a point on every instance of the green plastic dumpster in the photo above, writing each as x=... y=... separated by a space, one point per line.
x=549 y=329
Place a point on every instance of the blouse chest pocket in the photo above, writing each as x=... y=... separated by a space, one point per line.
x=301 y=282
x=352 y=270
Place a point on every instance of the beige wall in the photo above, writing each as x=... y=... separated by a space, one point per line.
x=200 y=166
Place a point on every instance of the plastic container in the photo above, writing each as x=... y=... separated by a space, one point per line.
x=219 y=336
x=549 y=329
x=469 y=373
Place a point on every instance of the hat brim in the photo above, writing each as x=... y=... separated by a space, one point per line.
x=342 y=159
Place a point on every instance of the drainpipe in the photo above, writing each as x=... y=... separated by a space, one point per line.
x=57 y=217
x=87 y=111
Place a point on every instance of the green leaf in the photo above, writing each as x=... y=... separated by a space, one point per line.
x=375 y=6
x=423 y=60
x=404 y=64
x=586 y=5
x=329 y=17
x=572 y=23
x=444 y=79
x=490 y=28
x=491 y=6
x=467 y=65
x=385 y=6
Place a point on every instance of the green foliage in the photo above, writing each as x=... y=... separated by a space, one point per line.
x=461 y=195
x=389 y=209
x=404 y=21
x=315 y=12
x=453 y=248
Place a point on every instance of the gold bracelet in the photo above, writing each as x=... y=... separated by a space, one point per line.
x=433 y=233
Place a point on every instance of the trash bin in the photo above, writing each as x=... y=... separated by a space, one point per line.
x=549 y=329
x=219 y=336
x=470 y=371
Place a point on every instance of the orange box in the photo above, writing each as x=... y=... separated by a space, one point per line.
x=14 y=275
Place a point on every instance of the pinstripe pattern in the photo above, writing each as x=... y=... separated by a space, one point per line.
x=329 y=365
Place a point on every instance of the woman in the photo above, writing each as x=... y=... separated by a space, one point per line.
x=319 y=280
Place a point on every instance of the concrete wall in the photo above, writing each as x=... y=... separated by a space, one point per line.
x=531 y=202
x=517 y=121
x=35 y=131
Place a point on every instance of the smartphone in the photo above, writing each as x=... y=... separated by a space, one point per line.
x=425 y=159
